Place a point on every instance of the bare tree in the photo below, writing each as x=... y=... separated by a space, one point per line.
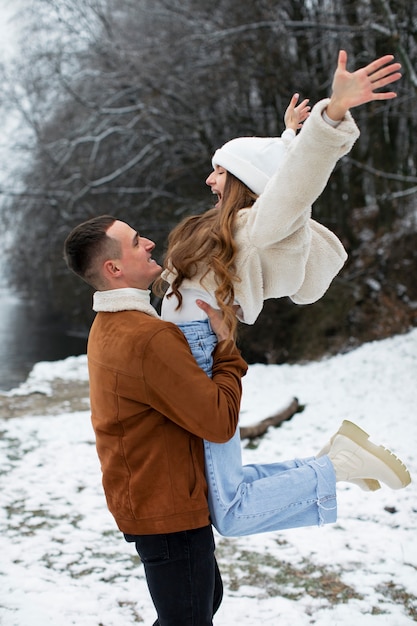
x=124 y=102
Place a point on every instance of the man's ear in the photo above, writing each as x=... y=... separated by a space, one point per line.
x=111 y=269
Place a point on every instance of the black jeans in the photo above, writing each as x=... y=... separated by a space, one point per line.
x=182 y=575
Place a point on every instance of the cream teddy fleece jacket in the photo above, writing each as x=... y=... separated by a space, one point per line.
x=282 y=251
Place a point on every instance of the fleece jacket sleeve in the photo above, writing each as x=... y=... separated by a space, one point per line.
x=285 y=205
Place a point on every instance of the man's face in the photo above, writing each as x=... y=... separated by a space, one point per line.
x=137 y=267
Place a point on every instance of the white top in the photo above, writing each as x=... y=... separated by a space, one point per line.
x=189 y=311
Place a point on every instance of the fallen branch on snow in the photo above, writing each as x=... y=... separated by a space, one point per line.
x=259 y=429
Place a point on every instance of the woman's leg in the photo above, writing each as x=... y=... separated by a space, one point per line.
x=248 y=499
x=202 y=342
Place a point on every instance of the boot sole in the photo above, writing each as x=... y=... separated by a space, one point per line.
x=361 y=438
x=368 y=484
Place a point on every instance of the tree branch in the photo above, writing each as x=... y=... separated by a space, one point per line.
x=259 y=429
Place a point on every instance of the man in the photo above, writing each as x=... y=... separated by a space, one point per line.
x=152 y=406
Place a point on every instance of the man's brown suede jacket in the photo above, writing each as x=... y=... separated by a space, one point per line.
x=151 y=408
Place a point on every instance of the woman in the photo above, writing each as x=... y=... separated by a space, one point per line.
x=260 y=242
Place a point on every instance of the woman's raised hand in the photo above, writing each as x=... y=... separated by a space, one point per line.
x=296 y=114
x=351 y=89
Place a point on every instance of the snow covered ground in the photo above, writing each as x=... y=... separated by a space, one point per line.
x=63 y=561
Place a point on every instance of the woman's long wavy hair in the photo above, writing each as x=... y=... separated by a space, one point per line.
x=206 y=242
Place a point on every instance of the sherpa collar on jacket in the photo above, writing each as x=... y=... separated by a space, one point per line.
x=125 y=299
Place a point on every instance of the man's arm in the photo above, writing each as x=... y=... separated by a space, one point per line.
x=179 y=389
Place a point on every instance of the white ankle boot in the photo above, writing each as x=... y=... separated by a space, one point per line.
x=366 y=484
x=356 y=459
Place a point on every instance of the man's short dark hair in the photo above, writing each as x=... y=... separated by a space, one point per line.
x=88 y=245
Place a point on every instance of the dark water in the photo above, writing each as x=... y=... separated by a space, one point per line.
x=26 y=339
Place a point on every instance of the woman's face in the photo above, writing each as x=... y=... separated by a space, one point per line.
x=216 y=181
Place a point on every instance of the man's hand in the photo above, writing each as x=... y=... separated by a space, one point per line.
x=296 y=115
x=216 y=320
x=351 y=89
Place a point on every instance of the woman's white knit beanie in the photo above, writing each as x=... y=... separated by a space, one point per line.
x=253 y=160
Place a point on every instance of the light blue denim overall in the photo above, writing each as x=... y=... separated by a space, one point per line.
x=249 y=499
